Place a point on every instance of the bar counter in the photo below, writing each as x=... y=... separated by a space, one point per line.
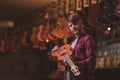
x=108 y=73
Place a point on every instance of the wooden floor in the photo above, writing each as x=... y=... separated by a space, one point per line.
x=25 y=65
x=35 y=65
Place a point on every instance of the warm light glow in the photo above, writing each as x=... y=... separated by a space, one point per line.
x=47 y=40
x=108 y=28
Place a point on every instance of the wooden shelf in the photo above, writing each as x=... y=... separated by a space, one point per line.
x=110 y=67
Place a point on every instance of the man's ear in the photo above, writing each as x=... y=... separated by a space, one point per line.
x=80 y=22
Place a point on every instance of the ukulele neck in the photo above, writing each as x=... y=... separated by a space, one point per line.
x=68 y=59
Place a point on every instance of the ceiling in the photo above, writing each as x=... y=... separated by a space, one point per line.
x=14 y=9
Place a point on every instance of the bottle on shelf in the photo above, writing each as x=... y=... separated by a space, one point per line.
x=99 y=62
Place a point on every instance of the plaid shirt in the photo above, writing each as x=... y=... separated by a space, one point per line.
x=84 y=55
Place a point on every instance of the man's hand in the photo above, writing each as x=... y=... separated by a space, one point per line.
x=55 y=48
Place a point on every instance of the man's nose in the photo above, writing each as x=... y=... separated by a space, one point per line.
x=73 y=26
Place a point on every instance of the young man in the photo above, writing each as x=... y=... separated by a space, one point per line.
x=83 y=49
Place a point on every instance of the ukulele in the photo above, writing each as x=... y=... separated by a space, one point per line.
x=117 y=9
x=25 y=34
x=2 y=45
x=64 y=52
x=62 y=22
x=34 y=37
x=39 y=35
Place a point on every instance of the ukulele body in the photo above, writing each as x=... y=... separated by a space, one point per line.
x=64 y=52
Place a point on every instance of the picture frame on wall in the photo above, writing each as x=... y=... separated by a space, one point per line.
x=71 y=6
x=86 y=3
x=78 y=5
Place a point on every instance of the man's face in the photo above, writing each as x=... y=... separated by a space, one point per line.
x=74 y=28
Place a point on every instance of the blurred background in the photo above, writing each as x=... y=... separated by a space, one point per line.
x=30 y=28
